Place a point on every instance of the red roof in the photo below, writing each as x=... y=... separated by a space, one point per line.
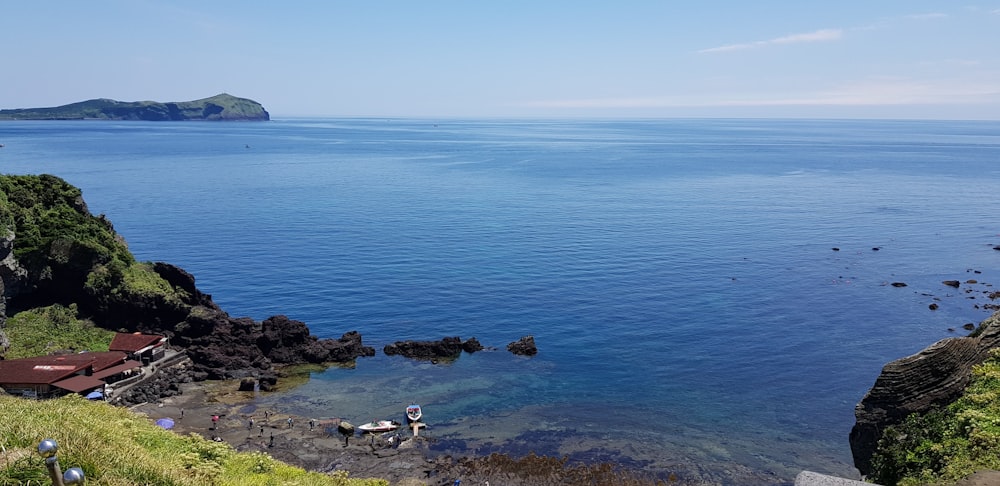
x=79 y=383
x=114 y=370
x=131 y=343
x=50 y=369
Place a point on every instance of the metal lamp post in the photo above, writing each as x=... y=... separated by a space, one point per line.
x=74 y=475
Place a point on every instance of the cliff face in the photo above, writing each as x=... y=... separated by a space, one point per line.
x=222 y=107
x=53 y=251
x=933 y=377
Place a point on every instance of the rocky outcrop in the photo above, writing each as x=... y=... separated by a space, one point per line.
x=73 y=257
x=523 y=347
x=165 y=383
x=447 y=348
x=933 y=377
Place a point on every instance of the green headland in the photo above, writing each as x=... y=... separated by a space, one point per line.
x=221 y=107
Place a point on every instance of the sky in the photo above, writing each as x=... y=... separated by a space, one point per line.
x=900 y=59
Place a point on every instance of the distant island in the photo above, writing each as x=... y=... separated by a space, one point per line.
x=221 y=107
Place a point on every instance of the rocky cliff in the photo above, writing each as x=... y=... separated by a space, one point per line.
x=53 y=251
x=221 y=107
x=933 y=377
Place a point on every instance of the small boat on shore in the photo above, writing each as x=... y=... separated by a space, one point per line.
x=413 y=413
x=376 y=426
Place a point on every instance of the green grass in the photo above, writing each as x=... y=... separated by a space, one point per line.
x=116 y=447
x=945 y=445
x=43 y=330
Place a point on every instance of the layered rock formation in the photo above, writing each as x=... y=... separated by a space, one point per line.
x=933 y=377
x=53 y=251
x=221 y=107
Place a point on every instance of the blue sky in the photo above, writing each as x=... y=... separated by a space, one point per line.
x=513 y=58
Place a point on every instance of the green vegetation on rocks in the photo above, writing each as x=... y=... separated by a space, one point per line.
x=220 y=107
x=68 y=257
x=114 y=446
x=44 y=330
x=51 y=223
x=945 y=445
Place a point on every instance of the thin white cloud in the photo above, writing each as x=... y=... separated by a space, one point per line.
x=871 y=92
x=927 y=16
x=821 y=35
x=995 y=11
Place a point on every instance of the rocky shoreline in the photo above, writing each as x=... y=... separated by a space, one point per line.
x=408 y=462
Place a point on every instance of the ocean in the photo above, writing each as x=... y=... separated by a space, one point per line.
x=709 y=298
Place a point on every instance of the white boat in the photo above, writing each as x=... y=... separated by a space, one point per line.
x=413 y=414
x=379 y=426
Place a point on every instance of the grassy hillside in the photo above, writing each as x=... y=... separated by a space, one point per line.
x=45 y=330
x=116 y=447
x=219 y=107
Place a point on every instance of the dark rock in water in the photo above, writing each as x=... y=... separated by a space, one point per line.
x=997 y=247
x=931 y=378
x=472 y=345
x=449 y=347
x=933 y=307
x=969 y=326
x=248 y=384
x=898 y=284
x=952 y=283
x=836 y=249
x=876 y=248
x=523 y=347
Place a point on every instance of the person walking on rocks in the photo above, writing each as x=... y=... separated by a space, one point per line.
x=250 y=427
x=290 y=422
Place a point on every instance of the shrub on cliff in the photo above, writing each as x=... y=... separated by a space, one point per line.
x=948 y=444
x=115 y=446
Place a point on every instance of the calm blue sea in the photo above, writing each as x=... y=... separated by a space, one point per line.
x=678 y=276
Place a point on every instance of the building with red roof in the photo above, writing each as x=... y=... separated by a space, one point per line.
x=50 y=376
x=145 y=348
